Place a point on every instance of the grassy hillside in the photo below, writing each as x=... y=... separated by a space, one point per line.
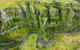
x=9 y=3
x=6 y=3
x=61 y=41
x=44 y=17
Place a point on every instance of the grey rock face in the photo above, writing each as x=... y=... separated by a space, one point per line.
x=78 y=15
x=3 y=15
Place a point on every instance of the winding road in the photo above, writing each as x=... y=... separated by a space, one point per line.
x=13 y=44
x=50 y=40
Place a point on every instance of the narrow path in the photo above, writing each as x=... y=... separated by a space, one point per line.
x=39 y=37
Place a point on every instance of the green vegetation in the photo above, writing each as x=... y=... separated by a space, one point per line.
x=40 y=25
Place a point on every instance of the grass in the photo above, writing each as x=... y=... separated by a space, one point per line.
x=9 y=3
x=5 y=3
x=76 y=47
x=12 y=3
x=62 y=41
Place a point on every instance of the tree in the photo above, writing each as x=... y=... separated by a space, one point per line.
x=47 y=12
x=58 y=6
x=0 y=21
x=28 y=8
x=23 y=11
x=37 y=13
x=0 y=24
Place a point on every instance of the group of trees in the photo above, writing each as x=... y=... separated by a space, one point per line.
x=44 y=17
x=41 y=14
